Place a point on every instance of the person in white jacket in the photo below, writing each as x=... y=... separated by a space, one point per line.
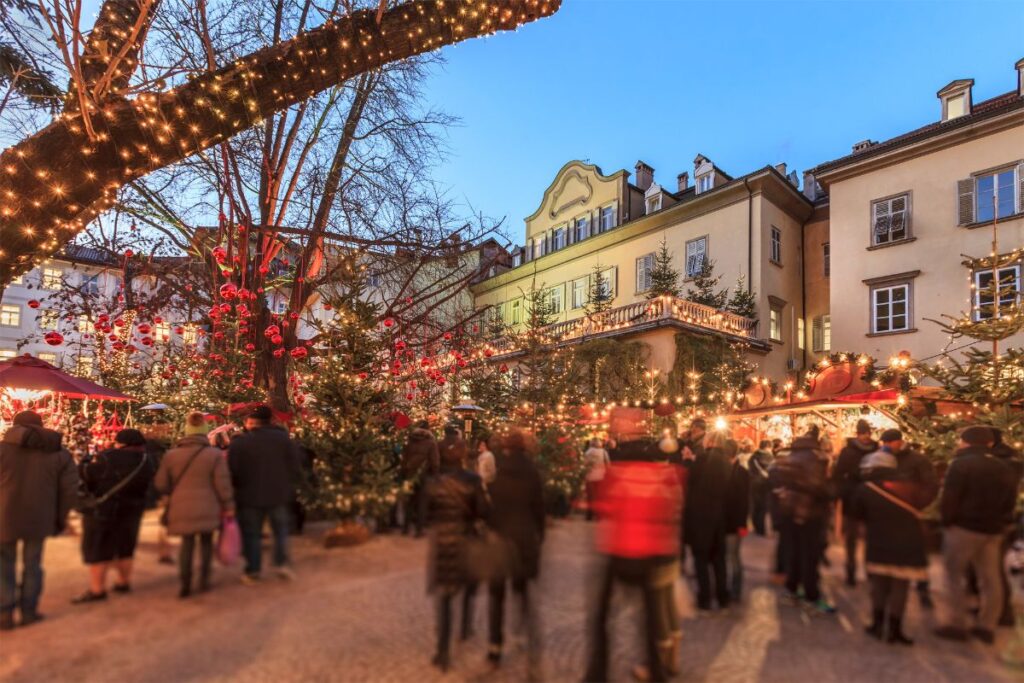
x=485 y=464
x=597 y=461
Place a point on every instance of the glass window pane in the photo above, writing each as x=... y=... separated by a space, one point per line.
x=899 y=322
x=899 y=308
x=882 y=325
x=899 y=294
x=985 y=193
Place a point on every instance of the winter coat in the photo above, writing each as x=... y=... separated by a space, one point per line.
x=517 y=511
x=708 y=486
x=111 y=467
x=980 y=492
x=846 y=472
x=199 y=493
x=639 y=504
x=914 y=466
x=895 y=540
x=454 y=501
x=38 y=484
x=758 y=465
x=265 y=467
x=453 y=451
x=737 y=499
x=420 y=456
x=801 y=483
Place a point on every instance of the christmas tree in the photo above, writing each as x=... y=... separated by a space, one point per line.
x=743 y=301
x=705 y=289
x=600 y=297
x=664 y=276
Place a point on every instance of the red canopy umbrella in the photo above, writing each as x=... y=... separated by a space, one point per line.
x=27 y=372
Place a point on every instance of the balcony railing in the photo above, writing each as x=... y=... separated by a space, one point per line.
x=643 y=315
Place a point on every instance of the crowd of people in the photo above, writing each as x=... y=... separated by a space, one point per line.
x=205 y=480
x=659 y=504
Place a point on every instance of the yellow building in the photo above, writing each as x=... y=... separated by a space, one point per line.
x=906 y=213
x=749 y=226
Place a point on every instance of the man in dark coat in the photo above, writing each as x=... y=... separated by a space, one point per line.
x=737 y=508
x=1011 y=457
x=804 y=503
x=977 y=505
x=517 y=515
x=704 y=518
x=38 y=487
x=760 y=464
x=452 y=449
x=845 y=479
x=265 y=468
x=420 y=460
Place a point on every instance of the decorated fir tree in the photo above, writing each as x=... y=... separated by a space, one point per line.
x=743 y=301
x=600 y=296
x=664 y=276
x=705 y=288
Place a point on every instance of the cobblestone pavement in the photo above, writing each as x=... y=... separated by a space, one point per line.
x=361 y=614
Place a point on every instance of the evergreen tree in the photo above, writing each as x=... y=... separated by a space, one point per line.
x=664 y=276
x=705 y=287
x=742 y=302
x=545 y=370
x=600 y=296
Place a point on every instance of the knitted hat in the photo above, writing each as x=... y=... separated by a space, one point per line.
x=878 y=459
x=978 y=436
x=195 y=423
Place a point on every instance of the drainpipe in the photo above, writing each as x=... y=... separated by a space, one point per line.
x=750 y=236
x=803 y=287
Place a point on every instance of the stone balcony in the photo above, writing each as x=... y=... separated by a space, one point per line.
x=642 y=316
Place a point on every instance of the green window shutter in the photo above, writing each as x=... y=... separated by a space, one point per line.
x=1020 y=187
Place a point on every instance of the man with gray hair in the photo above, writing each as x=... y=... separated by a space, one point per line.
x=977 y=504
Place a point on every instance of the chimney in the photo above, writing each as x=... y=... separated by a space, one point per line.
x=1020 y=77
x=644 y=176
x=811 y=188
x=683 y=181
x=781 y=168
x=793 y=179
x=863 y=145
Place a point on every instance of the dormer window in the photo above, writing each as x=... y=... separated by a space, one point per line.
x=653 y=203
x=705 y=183
x=956 y=99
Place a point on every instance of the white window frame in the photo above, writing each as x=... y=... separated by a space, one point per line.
x=644 y=269
x=556 y=299
x=775 y=246
x=558 y=239
x=516 y=312
x=90 y=284
x=1014 y=189
x=517 y=259
x=826 y=332
x=51 y=278
x=607 y=217
x=890 y=317
x=693 y=268
x=705 y=183
x=1013 y=290
x=581 y=226
x=161 y=330
x=800 y=333
x=579 y=292
x=776 y=315
x=538 y=246
x=883 y=213
x=10 y=315
x=653 y=203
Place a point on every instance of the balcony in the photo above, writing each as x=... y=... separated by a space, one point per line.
x=642 y=316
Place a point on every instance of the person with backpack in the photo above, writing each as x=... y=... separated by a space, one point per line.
x=116 y=483
x=846 y=480
x=804 y=497
x=895 y=552
x=38 y=488
x=195 y=478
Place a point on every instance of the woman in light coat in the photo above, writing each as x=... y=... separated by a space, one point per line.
x=195 y=477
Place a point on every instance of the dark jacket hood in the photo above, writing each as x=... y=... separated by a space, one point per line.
x=34 y=438
x=420 y=434
x=805 y=443
x=869 y=447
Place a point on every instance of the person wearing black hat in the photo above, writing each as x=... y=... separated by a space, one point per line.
x=266 y=466
x=119 y=479
x=38 y=487
x=977 y=504
x=846 y=478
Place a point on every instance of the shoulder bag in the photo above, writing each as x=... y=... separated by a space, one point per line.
x=89 y=501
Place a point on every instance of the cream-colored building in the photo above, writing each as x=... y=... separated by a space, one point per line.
x=905 y=214
x=749 y=226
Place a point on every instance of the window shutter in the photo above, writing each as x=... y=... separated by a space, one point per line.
x=641 y=273
x=1020 y=187
x=881 y=219
x=965 y=205
x=816 y=334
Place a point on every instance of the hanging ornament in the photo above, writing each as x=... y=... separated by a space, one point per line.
x=53 y=338
x=277 y=340
x=389 y=322
x=144 y=328
x=250 y=347
x=146 y=341
x=178 y=329
x=228 y=290
x=299 y=352
x=33 y=304
x=271 y=331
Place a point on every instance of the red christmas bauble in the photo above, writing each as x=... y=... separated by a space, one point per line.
x=271 y=331
x=277 y=340
x=228 y=291
x=53 y=338
x=250 y=347
x=299 y=352
x=33 y=304
x=157 y=319
x=278 y=353
x=144 y=328
x=147 y=341
x=178 y=329
x=389 y=322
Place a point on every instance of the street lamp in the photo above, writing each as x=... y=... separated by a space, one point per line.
x=466 y=412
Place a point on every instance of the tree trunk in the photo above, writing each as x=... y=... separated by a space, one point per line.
x=53 y=183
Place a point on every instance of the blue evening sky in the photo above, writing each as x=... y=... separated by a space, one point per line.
x=745 y=84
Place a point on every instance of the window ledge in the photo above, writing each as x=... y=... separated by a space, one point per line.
x=982 y=224
x=890 y=334
x=775 y=263
x=905 y=240
x=777 y=341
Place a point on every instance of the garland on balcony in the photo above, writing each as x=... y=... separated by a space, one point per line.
x=876 y=376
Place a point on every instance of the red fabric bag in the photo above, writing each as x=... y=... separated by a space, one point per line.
x=229 y=542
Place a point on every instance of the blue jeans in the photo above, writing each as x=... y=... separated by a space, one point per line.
x=31 y=576
x=250 y=522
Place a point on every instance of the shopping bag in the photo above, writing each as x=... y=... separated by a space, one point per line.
x=229 y=543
